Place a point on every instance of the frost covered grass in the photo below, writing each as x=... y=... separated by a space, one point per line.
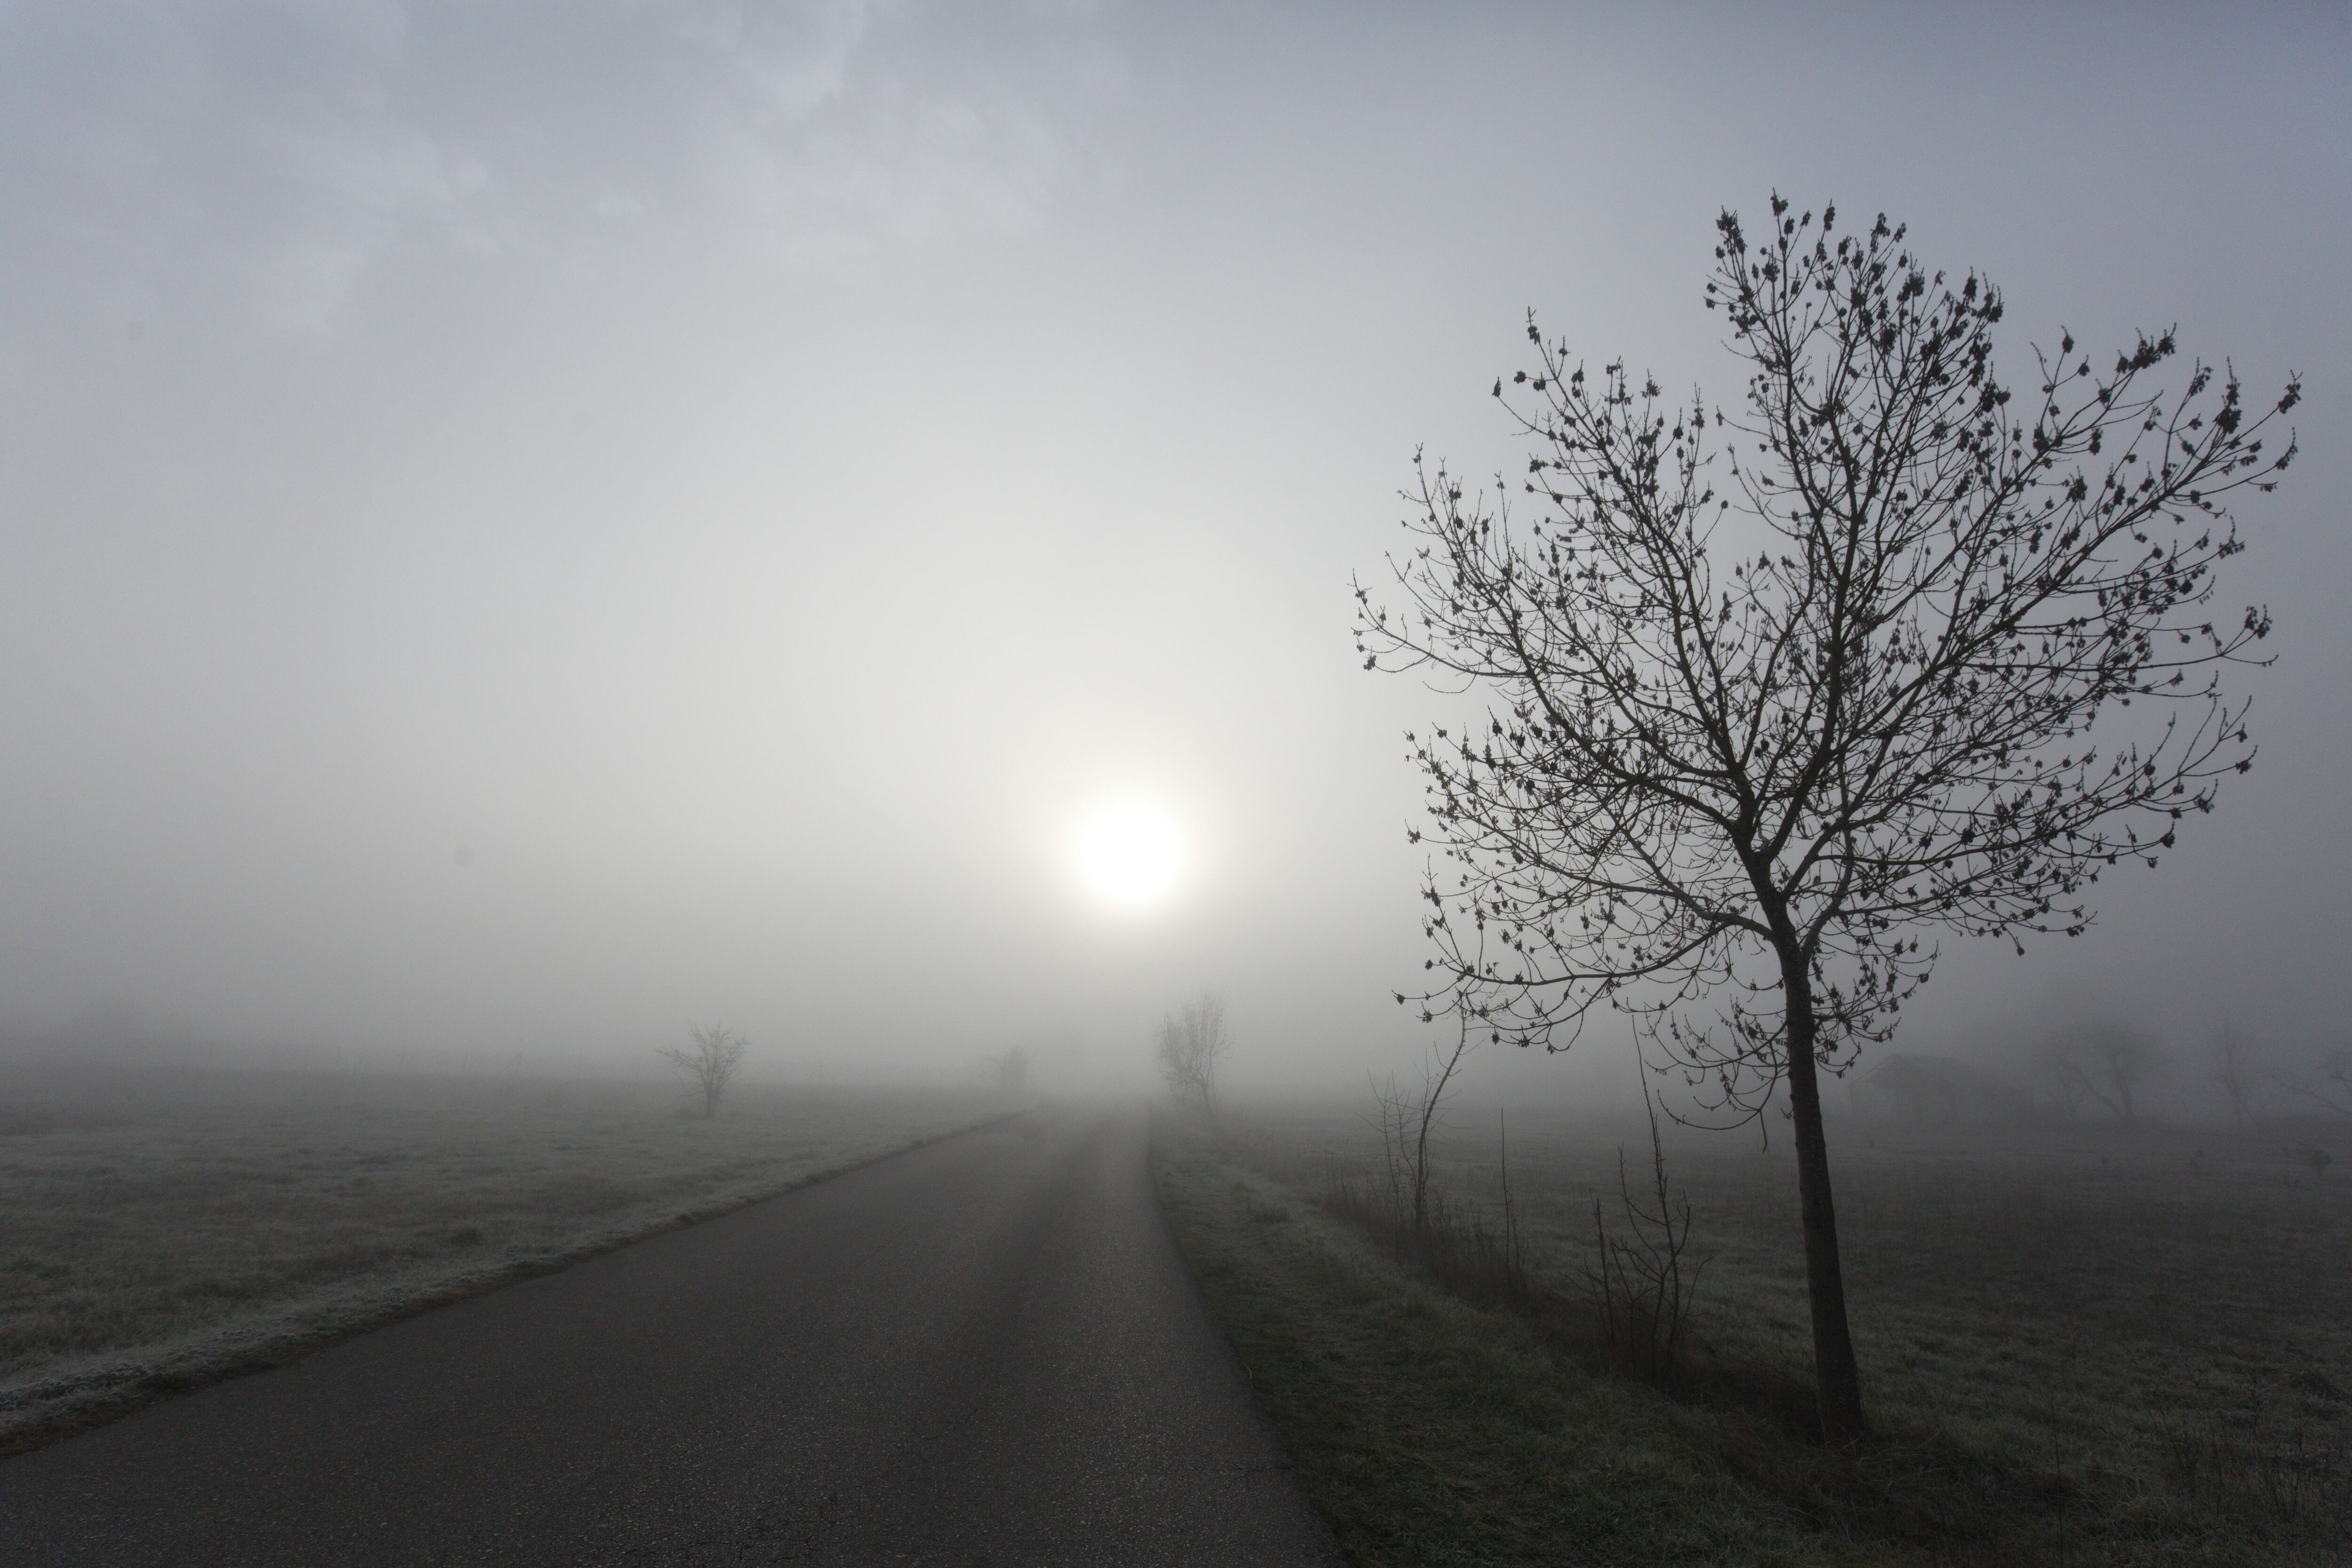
x=165 y=1227
x=2080 y=1345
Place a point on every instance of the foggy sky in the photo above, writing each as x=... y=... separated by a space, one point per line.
x=526 y=524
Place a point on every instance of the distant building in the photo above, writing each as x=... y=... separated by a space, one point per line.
x=1910 y=1086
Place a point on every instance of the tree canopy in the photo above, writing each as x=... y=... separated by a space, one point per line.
x=1826 y=669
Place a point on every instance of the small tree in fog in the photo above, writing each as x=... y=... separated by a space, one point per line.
x=1191 y=1043
x=1770 y=691
x=1407 y=1117
x=2115 y=1065
x=2062 y=1075
x=1009 y=1070
x=712 y=1059
x=2231 y=1068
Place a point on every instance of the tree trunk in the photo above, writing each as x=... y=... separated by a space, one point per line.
x=1833 y=1365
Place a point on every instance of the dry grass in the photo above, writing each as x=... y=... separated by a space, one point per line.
x=1431 y=1432
x=164 y=1228
x=2080 y=1345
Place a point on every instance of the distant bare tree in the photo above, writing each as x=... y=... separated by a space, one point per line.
x=1009 y=1070
x=2231 y=1068
x=2107 y=1063
x=712 y=1060
x=1193 y=1042
x=2329 y=1083
x=2062 y=1075
x=1770 y=691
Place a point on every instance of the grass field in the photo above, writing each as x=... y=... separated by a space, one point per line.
x=162 y=1228
x=2079 y=1346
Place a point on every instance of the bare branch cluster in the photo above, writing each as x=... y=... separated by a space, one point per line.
x=1643 y=1278
x=1405 y=1119
x=2104 y=1064
x=711 y=1061
x=1801 y=679
x=1191 y=1043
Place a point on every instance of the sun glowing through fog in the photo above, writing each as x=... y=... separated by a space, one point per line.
x=1129 y=853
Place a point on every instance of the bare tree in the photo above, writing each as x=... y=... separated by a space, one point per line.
x=1406 y=1119
x=2231 y=1068
x=2115 y=1063
x=1193 y=1042
x=1008 y=1070
x=1642 y=1278
x=712 y=1060
x=2062 y=1075
x=1770 y=691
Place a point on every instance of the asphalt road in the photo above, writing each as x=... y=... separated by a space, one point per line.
x=985 y=1351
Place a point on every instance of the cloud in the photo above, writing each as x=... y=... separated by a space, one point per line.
x=896 y=165
x=350 y=189
x=788 y=60
x=284 y=151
